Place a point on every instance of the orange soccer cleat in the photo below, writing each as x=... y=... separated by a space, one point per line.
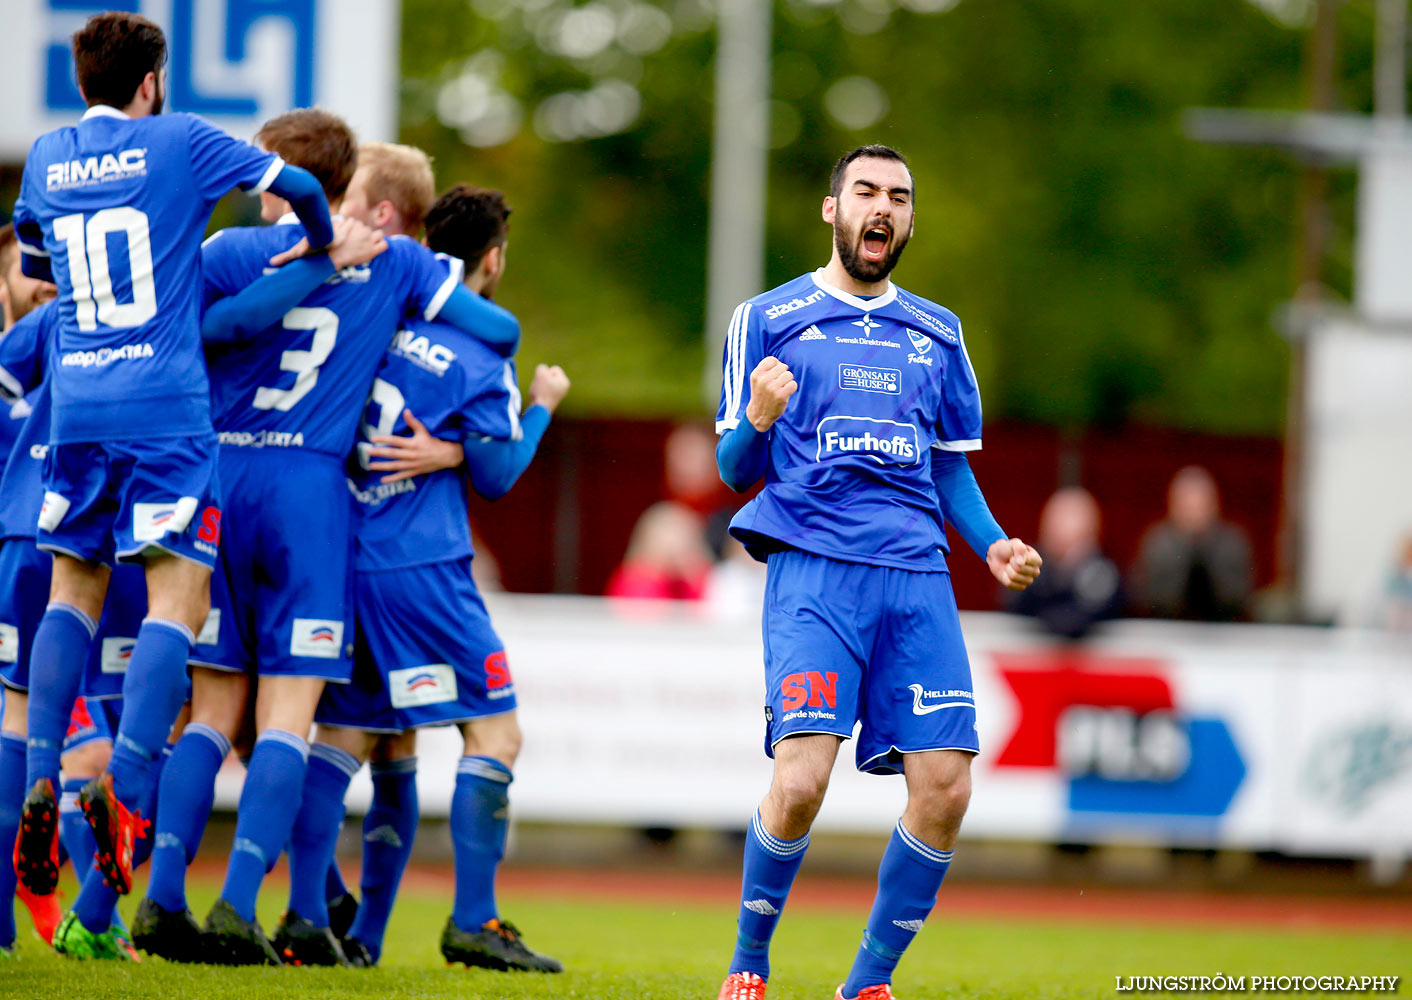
x=115 y=828
x=37 y=846
x=882 y=992
x=742 y=986
x=43 y=910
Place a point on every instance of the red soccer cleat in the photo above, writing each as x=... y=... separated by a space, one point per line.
x=742 y=986
x=43 y=910
x=37 y=846
x=115 y=829
x=883 y=992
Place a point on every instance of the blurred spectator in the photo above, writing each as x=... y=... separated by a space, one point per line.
x=667 y=556
x=1193 y=565
x=1396 y=611
x=1079 y=585
x=736 y=586
x=691 y=479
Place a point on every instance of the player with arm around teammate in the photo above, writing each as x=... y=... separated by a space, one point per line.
x=427 y=653
x=114 y=210
x=856 y=403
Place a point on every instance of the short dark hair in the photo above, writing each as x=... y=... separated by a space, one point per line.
x=317 y=140
x=873 y=151
x=113 y=52
x=467 y=221
x=8 y=245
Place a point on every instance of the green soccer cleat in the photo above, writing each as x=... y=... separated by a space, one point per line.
x=497 y=945
x=302 y=942
x=74 y=940
x=173 y=935
x=230 y=939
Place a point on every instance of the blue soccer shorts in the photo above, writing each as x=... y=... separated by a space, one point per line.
x=125 y=500
x=91 y=721
x=426 y=654
x=849 y=643
x=24 y=594
x=280 y=596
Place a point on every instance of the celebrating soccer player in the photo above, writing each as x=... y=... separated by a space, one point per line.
x=856 y=403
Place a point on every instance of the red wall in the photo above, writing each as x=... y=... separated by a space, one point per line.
x=566 y=523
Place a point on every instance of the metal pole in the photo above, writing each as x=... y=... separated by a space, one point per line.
x=1390 y=64
x=739 y=173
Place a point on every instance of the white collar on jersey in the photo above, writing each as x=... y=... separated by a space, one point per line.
x=102 y=111
x=866 y=305
x=287 y=219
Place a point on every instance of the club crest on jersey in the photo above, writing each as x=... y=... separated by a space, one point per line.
x=884 y=441
x=320 y=637
x=117 y=651
x=425 y=685
x=96 y=169
x=920 y=341
x=9 y=643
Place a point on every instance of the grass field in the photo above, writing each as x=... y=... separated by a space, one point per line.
x=654 y=951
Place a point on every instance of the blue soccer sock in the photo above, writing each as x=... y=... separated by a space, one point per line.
x=183 y=806
x=74 y=830
x=153 y=692
x=56 y=663
x=908 y=880
x=388 y=832
x=769 y=869
x=334 y=886
x=12 y=797
x=142 y=850
x=315 y=834
x=268 y=804
x=479 y=822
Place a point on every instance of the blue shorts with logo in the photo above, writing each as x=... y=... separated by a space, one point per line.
x=118 y=501
x=849 y=643
x=426 y=654
x=280 y=596
x=24 y=594
x=90 y=721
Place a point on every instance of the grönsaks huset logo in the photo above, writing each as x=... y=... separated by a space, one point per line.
x=320 y=637
x=866 y=378
x=425 y=685
x=884 y=441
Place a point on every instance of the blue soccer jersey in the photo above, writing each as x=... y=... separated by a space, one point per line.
x=24 y=364
x=881 y=381
x=303 y=384
x=119 y=206
x=459 y=388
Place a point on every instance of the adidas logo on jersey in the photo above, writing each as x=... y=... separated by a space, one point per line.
x=761 y=906
x=813 y=333
x=96 y=169
x=908 y=925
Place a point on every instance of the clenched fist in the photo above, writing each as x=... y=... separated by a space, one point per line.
x=1013 y=563
x=771 y=385
x=549 y=387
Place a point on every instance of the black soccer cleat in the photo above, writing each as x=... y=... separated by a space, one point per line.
x=37 y=846
x=170 y=934
x=341 y=911
x=357 y=953
x=230 y=939
x=497 y=945
x=302 y=942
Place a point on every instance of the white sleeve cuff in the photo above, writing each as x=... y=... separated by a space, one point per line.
x=268 y=177
x=971 y=444
x=727 y=425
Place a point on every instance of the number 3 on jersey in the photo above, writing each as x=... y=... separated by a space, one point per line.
x=390 y=403
x=305 y=364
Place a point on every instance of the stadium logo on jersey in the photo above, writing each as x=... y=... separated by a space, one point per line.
x=9 y=643
x=498 y=682
x=932 y=323
x=761 y=906
x=785 y=308
x=425 y=685
x=96 y=169
x=106 y=356
x=116 y=652
x=151 y=521
x=919 y=692
x=808 y=694
x=884 y=441
x=868 y=379
x=422 y=352
x=53 y=511
x=319 y=637
x=813 y=333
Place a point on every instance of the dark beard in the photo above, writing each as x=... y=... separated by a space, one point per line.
x=864 y=270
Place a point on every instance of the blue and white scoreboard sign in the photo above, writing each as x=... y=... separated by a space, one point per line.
x=234 y=62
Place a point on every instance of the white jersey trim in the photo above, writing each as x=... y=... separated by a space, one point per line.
x=30 y=249
x=733 y=377
x=11 y=385
x=103 y=111
x=268 y=177
x=867 y=305
x=442 y=294
x=971 y=444
x=513 y=406
x=727 y=425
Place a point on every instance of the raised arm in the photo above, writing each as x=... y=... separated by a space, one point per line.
x=306 y=197
x=1011 y=561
